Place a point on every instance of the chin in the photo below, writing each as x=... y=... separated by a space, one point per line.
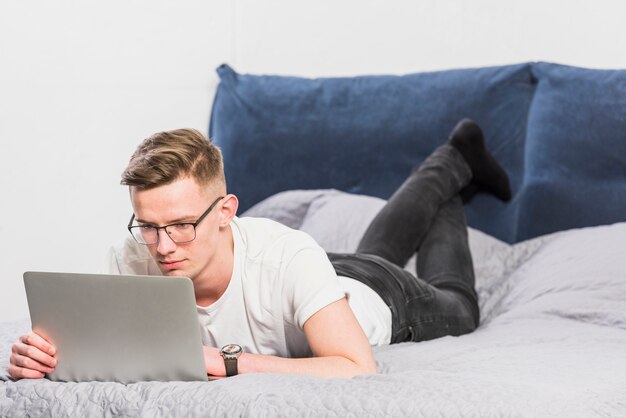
x=174 y=273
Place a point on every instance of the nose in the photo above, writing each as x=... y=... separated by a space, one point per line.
x=165 y=244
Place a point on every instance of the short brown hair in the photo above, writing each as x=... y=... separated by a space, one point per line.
x=168 y=156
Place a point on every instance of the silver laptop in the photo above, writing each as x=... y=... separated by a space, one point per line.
x=117 y=328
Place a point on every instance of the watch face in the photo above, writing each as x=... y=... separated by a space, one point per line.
x=231 y=349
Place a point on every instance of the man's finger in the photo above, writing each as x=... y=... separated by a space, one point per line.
x=34 y=353
x=29 y=363
x=39 y=342
x=17 y=372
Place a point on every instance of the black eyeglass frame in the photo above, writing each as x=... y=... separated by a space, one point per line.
x=157 y=228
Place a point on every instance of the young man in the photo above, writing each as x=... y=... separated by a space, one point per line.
x=269 y=295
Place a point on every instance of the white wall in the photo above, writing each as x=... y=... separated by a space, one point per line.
x=83 y=82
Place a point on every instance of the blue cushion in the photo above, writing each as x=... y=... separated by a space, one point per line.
x=365 y=134
x=575 y=151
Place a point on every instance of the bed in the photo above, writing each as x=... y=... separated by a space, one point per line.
x=550 y=343
x=550 y=265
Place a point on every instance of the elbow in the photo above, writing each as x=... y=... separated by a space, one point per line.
x=366 y=369
x=371 y=370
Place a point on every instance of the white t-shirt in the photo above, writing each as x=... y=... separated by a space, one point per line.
x=281 y=277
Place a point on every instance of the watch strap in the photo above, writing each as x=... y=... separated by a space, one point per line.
x=231 y=365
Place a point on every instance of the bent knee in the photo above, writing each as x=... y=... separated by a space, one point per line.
x=463 y=325
x=464 y=304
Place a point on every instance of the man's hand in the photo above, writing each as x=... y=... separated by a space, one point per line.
x=31 y=357
x=213 y=362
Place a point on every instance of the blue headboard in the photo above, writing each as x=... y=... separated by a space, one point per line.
x=559 y=131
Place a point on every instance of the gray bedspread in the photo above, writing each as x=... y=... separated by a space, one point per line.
x=552 y=341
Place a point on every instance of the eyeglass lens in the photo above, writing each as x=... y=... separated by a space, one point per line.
x=178 y=233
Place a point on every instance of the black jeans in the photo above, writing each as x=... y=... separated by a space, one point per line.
x=425 y=215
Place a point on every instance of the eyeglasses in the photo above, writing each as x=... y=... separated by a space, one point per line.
x=179 y=232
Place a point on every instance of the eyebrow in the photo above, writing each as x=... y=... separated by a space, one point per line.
x=186 y=219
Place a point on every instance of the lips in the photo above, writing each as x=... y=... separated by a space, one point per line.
x=171 y=264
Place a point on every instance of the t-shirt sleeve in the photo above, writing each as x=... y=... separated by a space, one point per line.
x=128 y=257
x=111 y=263
x=310 y=284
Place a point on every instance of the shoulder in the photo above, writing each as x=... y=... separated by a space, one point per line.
x=129 y=257
x=262 y=237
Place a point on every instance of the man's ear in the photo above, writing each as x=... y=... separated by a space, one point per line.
x=228 y=209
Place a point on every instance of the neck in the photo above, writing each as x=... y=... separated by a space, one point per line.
x=211 y=284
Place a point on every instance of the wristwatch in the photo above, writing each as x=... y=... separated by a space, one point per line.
x=230 y=353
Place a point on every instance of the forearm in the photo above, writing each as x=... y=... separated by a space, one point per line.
x=331 y=366
x=335 y=337
x=334 y=366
